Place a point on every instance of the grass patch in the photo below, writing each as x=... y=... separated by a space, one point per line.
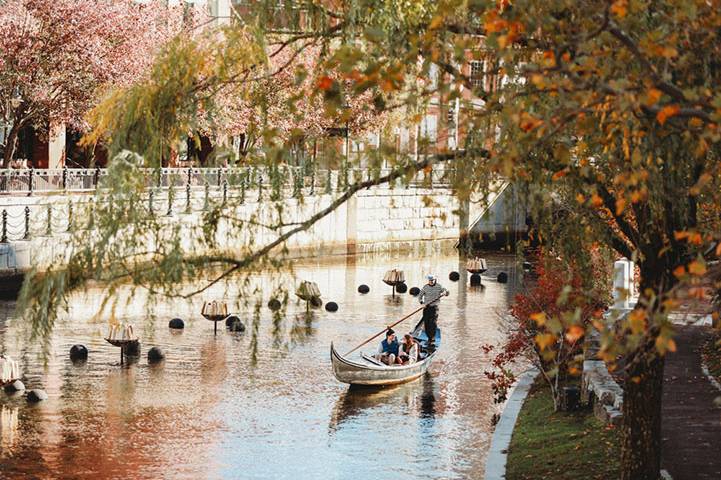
x=559 y=446
x=711 y=353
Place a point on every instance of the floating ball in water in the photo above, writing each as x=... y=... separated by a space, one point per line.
x=155 y=354
x=176 y=323
x=401 y=288
x=475 y=279
x=78 y=352
x=363 y=289
x=316 y=302
x=331 y=307
x=37 y=396
x=229 y=321
x=454 y=276
x=15 y=386
x=274 y=304
x=414 y=291
x=502 y=277
x=236 y=325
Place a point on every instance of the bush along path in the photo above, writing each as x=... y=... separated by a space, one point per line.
x=691 y=411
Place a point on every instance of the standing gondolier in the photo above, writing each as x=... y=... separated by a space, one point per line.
x=431 y=293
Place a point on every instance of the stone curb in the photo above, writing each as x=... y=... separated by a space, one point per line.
x=712 y=380
x=498 y=452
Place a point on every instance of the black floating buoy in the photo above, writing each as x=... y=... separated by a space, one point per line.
x=155 y=354
x=502 y=277
x=414 y=291
x=454 y=276
x=274 y=304
x=316 y=302
x=176 y=323
x=331 y=307
x=15 y=386
x=229 y=321
x=363 y=289
x=236 y=325
x=475 y=279
x=78 y=352
x=401 y=288
x=37 y=396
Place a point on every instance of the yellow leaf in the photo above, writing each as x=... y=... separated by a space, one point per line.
x=620 y=205
x=637 y=320
x=653 y=96
x=697 y=268
x=574 y=333
x=664 y=344
x=669 y=52
x=667 y=112
x=559 y=174
x=596 y=201
x=581 y=200
x=539 y=318
x=619 y=8
x=679 y=272
x=544 y=340
x=436 y=22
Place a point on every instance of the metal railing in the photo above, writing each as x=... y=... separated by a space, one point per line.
x=37 y=181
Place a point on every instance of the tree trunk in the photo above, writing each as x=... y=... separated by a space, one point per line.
x=641 y=434
x=11 y=145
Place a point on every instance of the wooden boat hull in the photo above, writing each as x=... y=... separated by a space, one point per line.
x=355 y=373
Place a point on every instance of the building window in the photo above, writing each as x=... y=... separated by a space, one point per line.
x=477 y=73
x=429 y=130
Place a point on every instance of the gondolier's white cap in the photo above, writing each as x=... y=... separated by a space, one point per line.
x=430 y=277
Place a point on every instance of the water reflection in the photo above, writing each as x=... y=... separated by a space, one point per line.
x=261 y=404
x=359 y=401
x=8 y=429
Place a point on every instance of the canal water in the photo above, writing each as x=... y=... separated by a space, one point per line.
x=262 y=404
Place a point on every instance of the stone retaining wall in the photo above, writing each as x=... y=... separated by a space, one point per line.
x=598 y=388
x=381 y=218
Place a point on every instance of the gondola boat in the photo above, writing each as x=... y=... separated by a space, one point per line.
x=368 y=371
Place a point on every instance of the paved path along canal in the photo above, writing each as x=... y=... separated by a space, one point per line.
x=262 y=404
x=691 y=420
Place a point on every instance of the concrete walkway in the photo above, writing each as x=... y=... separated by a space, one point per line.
x=691 y=432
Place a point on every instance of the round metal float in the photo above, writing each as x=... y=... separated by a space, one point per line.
x=78 y=352
x=176 y=323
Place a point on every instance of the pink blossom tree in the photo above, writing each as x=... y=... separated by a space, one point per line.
x=57 y=58
x=287 y=99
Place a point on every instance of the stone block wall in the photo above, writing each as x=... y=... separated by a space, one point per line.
x=377 y=219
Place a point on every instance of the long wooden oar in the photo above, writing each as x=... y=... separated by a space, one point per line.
x=393 y=325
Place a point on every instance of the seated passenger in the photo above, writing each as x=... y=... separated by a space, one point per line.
x=388 y=349
x=408 y=351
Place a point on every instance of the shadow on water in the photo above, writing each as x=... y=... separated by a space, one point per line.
x=419 y=396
